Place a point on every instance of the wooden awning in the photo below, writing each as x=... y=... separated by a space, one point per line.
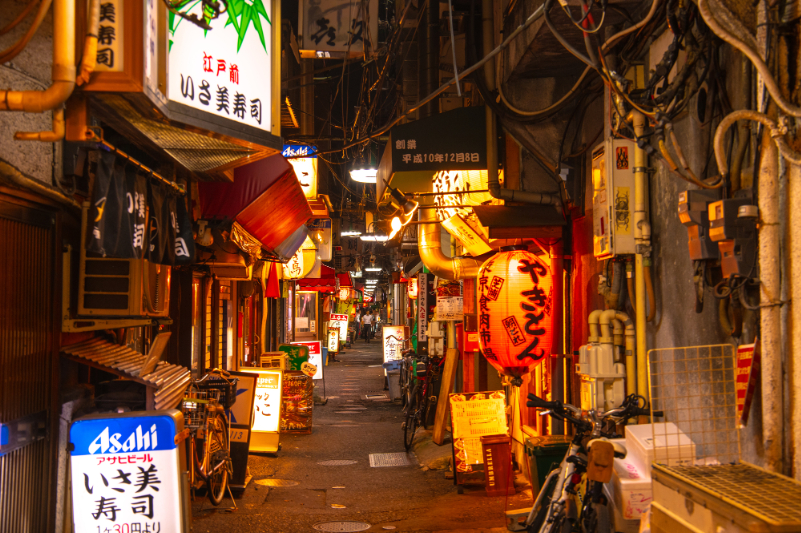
x=165 y=382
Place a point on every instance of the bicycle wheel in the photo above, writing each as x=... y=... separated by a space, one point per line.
x=216 y=459
x=410 y=425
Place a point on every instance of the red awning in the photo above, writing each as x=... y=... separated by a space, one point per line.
x=327 y=282
x=344 y=280
x=327 y=272
x=265 y=198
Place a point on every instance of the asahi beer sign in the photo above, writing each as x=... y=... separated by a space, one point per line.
x=225 y=71
x=125 y=473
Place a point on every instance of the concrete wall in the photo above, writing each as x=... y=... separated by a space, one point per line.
x=30 y=70
x=676 y=323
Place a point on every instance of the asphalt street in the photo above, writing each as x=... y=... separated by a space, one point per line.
x=347 y=430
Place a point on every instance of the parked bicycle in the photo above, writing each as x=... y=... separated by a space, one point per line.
x=418 y=375
x=571 y=498
x=208 y=447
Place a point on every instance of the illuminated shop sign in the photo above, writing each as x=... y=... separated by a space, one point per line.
x=126 y=472
x=226 y=71
x=305 y=167
x=341 y=322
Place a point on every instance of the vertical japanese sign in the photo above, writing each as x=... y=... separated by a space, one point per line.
x=294 y=268
x=393 y=342
x=422 y=313
x=225 y=71
x=341 y=322
x=333 y=340
x=338 y=25
x=305 y=167
x=110 y=37
x=267 y=410
x=126 y=473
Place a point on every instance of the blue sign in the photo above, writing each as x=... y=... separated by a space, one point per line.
x=3 y=435
x=295 y=150
x=123 y=435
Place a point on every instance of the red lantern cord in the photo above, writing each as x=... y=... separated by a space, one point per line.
x=515 y=312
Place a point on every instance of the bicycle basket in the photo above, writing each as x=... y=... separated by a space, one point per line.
x=194 y=406
x=226 y=388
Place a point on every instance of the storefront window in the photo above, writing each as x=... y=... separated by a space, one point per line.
x=305 y=315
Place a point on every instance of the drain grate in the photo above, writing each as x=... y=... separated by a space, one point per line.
x=349 y=412
x=277 y=482
x=342 y=526
x=374 y=396
x=337 y=462
x=389 y=459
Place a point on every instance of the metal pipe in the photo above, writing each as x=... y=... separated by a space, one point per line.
x=89 y=57
x=642 y=234
x=592 y=320
x=63 y=71
x=429 y=244
x=770 y=296
x=14 y=177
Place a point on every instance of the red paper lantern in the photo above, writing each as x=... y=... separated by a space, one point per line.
x=515 y=298
x=411 y=288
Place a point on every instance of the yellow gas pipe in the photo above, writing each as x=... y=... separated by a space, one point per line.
x=642 y=239
x=63 y=72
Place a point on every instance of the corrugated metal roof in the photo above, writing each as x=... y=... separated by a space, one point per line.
x=170 y=381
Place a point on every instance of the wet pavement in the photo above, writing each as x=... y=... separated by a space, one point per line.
x=326 y=476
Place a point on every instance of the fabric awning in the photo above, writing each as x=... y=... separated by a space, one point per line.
x=344 y=280
x=265 y=198
x=327 y=282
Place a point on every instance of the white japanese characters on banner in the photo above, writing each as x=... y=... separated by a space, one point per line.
x=125 y=473
x=393 y=342
x=110 y=37
x=224 y=71
x=332 y=25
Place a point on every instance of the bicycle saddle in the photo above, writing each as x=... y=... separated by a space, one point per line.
x=620 y=450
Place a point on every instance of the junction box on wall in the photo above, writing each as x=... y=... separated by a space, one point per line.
x=613 y=198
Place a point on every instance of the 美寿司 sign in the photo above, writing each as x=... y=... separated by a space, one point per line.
x=126 y=472
x=226 y=71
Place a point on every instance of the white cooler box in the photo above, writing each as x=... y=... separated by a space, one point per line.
x=631 y=488
x=674 y=446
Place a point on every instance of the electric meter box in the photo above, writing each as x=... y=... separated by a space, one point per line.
x=613 y=198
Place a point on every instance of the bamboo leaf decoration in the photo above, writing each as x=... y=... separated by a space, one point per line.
x=240 y=14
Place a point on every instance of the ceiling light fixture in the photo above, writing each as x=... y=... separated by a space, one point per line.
x=364 y=175
x=351 y=231
x=372 y=269
x=407 y=209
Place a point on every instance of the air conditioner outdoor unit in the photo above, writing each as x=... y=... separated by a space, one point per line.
x=121 y=287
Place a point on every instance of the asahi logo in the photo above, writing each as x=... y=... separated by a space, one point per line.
x=137 y=441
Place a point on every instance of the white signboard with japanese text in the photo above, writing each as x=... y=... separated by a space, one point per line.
x=315 y=356
x=268 y=401
x=338 y=25
x=333 y=340
x=225 y=71
x=341 y=322
x=450 y=308
x=393 y=342
x=126 y=473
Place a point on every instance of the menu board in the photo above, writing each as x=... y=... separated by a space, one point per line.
x=268 y=402
x=298 y=403
x=474 y=415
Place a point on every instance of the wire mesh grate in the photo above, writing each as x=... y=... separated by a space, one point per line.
x=770 y=497
x=695 y=388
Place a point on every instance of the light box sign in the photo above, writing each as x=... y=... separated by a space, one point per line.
x=333 y=340
x=305 y=167
x=315 y=356
x=338 y=26
x=266 y=410
x=227 y=70
x=110 y=37
x=393 y=342
x=341 y=322
x=126 y=472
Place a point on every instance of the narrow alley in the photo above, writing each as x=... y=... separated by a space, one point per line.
x=327 y=476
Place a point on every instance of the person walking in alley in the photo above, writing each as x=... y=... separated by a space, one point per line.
x=366 y=324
